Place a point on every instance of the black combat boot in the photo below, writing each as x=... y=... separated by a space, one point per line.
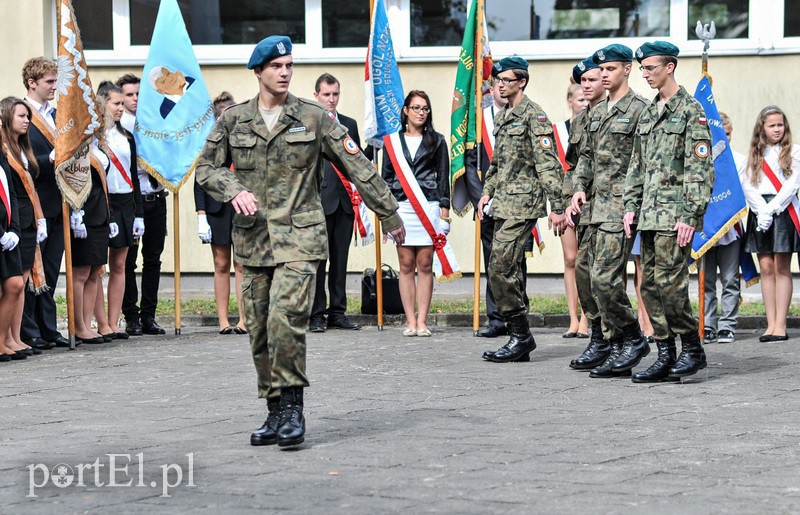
x=268 y=433
x=605 y=370
x=692 y=358
x=292 y=426
x=659 y=371
x=596 y=352
x=634 y=348
x=520 y=344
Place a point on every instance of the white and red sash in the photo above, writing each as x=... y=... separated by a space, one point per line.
x=445 y=265
x=361 y=225
x=777 y=183
x=562 y=143
x=121 y=169
x=4 y=195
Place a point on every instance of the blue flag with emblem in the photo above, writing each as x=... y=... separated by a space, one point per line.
x=174 y=114
x=727 y=205
x=382 y=83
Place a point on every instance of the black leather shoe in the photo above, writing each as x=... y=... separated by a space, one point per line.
x=121 y=336
x=292 y=426
x=39 y=343
x=342 y=322
x=150 y=326
x=659 y=371
x=18 y=355
x=133 y=327
x=692 y=358
x=595 y=353
x=520 y=344
x=316 y=324
x=634 y=348
x=268 y=433
x=60 y=341
x=778 y=338
x=493 y=331
x=606 y=369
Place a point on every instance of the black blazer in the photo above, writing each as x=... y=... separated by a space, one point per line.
x=45 y=182
x=205 y=202
x=431 y=168
x=96 y=209
x=333 y=191
x=25 y=206
x=12 y=200
x=134 y=176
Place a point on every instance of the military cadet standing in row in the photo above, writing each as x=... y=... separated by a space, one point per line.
x=667 y=190
x=525 y=171
x=276 y=143
x=587 y=74
x=600 y=178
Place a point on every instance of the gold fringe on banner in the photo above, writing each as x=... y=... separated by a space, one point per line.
x=161 y=179
x=714 y=239
x=448 y=278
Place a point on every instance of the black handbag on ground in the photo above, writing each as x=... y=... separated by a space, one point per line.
x=392 y=305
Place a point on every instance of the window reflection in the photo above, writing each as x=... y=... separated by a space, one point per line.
x=730 y=17
x=95 y=21
x=345 y=24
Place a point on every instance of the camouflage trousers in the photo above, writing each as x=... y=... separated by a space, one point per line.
x=606 y=250
x=505 y=271
x=277 y=301
x=665 y=284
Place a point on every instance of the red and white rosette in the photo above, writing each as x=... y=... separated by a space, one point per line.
x=361 y=225
x=445 y=265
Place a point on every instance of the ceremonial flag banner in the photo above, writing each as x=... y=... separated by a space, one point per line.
x=384 y=88
x=175 y=114
x=727 y=205
x=76 y=117
x=462 y=118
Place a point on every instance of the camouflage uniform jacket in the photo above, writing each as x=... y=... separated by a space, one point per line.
x=606 y=155
x=283 y=169
x=671 y=173
x=525 y=169
x=577 y=138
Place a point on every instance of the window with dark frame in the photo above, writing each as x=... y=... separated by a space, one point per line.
x=95 y=20
x=730 y=17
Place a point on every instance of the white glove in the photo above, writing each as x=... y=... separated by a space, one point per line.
x=113 y=230
x=9 y=241
x=764 y=222
x=444 y=227
x=203 y=229
x=487 y=208
x=41 y=230
x=138 y=226
x=76 y=219
x=80 y=231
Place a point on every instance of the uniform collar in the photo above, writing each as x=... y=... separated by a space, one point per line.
x=674 y=102
x=290 y=112
x=519 y=108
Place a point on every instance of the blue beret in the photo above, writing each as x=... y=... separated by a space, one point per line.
x=612 y=53
x=582 y=67
x=509 y=63
x=268 y=49
x=656 y=48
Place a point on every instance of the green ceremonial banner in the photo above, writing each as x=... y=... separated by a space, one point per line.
x=462 y=118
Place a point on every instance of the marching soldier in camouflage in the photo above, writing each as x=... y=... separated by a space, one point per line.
x=587 y=74
x=667 y=190
x=600 y=178
x=276 y=143
x=525 y=171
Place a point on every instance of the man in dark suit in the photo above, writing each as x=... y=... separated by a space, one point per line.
x=339 y=218
x=39 y=327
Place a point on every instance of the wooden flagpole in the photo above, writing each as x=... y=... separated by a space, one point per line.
x=68 y=269
x=478 y=65
x=706 y=34
x=378 y=232
x=176 y=235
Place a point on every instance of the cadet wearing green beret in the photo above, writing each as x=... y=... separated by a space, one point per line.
x=667 y=190
x=276 y=143
x=600 y=180
x=524 y=172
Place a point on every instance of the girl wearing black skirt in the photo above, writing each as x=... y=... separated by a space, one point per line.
x=770 y=187
x=10 y=264
x=91 y=229
x=125 y=201
x=15 y=116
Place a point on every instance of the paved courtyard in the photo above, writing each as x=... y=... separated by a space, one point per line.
x=398 y=424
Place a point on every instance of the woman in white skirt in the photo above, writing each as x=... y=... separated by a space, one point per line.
x=773 y=176
x=425 y=151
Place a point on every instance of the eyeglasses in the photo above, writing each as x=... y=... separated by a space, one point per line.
x=505 y=81
x=418 y=109
x=650 y=69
